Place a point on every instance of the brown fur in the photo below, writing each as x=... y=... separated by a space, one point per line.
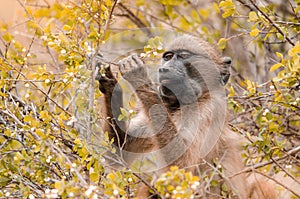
x=261 y=187
x=187 y=126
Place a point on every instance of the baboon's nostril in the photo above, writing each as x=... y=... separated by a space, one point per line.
x=163 y=70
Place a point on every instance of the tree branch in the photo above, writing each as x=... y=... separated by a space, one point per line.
x=272 y=23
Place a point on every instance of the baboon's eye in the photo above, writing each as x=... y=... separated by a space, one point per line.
x=184 y=55
x=168 y=56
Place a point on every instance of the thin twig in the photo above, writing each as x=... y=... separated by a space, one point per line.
x=135 y=19
x=25 y=9
x=287 y=23
x=262 y=164
x=285 y=171
x=163 y=21
x=277 y=182
x=272 y=23
x=109 y=18
x=43 y=92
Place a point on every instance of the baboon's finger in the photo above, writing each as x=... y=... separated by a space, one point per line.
x=132 y=62
x=108 y=71
x=121 y=65
x=137 y=60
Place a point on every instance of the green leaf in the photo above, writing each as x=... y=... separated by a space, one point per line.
x=123 y=111
x=280 y=36
x=214 y=183
x=121 y=117
x=14 y=145
x=4 y=181
x=224 y=187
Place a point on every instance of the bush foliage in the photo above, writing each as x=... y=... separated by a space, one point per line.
x=50 y=103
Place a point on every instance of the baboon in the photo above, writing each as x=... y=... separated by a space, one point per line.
x=182 y=118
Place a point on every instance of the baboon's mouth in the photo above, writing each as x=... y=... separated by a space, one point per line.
x=164 y=80
x=166 y=91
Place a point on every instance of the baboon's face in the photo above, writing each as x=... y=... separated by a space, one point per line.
x=178 y=78
x=174 y=67
x=191 y=67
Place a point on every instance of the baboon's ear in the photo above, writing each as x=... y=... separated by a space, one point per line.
x=226 y=60
x=225 y=71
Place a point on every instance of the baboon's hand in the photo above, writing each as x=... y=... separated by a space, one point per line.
x=133 y=70
x=107 y=81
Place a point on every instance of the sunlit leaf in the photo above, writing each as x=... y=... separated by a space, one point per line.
x=228 y=8
x=254 y=32
x=253 y=16
x=222 y=43
x=275 y=67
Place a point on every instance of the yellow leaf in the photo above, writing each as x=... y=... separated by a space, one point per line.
x=67 y=28
x=195 y=16
x=37 y=149
x=279 y=55
x=15 y=145
x=7 y=37
x=111 y=176
x=94 y=177
x=195 y=178
x=170 y=188
x=204 y=13
x=254 y=32
x=253 y=17
x=28 y=118
x=216 y=8
x=103 y=7
x=41 y=133
x=42 y=12
x=7 y=132
x=77 y=141
x=174 y=168
x=231 y=92
x=276 y=66
x=45 y=116
x=228 y=8
x=140 y=2
x=51 y=44
x=18 y=156
x=295 y=50
x=251 y=87
x=280 y=36
x=222 y=43
x=59 y=185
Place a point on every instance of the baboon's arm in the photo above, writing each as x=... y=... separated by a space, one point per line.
x=113 y=101
x=134 y=71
